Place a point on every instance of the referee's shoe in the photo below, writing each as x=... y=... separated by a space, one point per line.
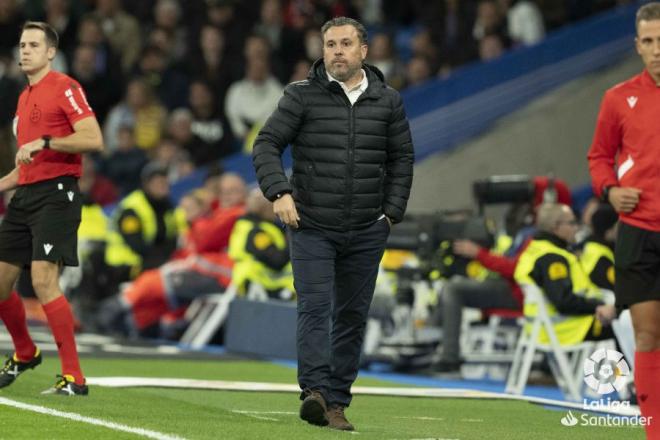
x=66 y=386
x=14 y=368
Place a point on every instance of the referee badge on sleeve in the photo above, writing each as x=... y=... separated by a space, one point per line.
x=557 y=271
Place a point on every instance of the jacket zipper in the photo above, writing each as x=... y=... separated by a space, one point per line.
x=351 y=161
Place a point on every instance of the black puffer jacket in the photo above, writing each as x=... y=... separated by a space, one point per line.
x=351 y=164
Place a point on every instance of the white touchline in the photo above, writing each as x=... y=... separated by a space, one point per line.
x=92 y=421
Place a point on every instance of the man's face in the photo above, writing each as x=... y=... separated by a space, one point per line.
x=232 y=191
x=342 y=52
x=158 y=187
x=648 y=46
x=34 y=52
x=567 y=225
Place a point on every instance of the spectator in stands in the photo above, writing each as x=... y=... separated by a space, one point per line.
x=574 y=303
x=222 y=14
x=300 y=70
x=490 y=20
x=138 y=109
x=179 y=129
x=94 y=186
x=491 y=46
x=418 y=71
x=213 y=132
x=524 y=21
x=144 y=228
x=259 y=250
x=382 y=56
x=170 y=86
x=122 y=31
x=123 y=166
x=251 y=100
x=11 y=23
x=285 y=43
x=175 y=159
x=313 y=44
x=423 y=46
x=95 y=82
x=208 y=61
x=59 y=14
x=452 y=33
x=107 y=63
x=167 y=17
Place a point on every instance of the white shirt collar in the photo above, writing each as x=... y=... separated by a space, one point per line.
x=362 y=86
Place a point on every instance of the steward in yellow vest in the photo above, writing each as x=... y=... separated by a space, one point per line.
x=573 y=300
x=260 y=250
x=145 y=228
x=597 y=256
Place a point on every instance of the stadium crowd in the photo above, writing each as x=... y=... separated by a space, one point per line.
x=190 y=82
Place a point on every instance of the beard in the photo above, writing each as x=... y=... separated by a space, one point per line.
x=343 y=72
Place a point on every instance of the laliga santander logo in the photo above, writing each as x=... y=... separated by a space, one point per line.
x=606 y=371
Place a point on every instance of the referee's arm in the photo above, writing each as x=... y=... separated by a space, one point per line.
x=9 y=181
x=86 y=138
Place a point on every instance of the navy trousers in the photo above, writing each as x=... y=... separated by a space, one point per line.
x=334 y=276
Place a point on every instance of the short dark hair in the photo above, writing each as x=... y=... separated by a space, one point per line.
x=346 y=21
x=52 y=39
x=648 y=12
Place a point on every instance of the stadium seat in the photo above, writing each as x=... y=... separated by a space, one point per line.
x=565 y=361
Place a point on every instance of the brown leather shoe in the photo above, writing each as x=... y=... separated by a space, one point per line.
x=337 y=419
x=313 y=409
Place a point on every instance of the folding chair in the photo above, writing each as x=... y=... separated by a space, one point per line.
x=566 y=369
x=490 y=347
x=206 y=315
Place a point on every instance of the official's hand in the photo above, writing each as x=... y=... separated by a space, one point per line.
x=624 y=198
x=25 y=153
x=606 y=313
x=285 y=209
x=466 y=248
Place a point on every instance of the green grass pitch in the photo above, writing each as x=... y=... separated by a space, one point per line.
x=197 y=414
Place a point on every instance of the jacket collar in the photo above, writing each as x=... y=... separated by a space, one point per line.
x=375 y=78
x=552 y=238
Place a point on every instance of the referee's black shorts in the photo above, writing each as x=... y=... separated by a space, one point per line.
x=637 y=265
x=41 y=223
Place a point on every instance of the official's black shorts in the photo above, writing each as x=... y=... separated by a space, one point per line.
x=41 y=223
x=637 y=265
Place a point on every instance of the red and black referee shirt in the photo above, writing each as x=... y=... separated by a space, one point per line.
x=628 y=135
x=50 y=107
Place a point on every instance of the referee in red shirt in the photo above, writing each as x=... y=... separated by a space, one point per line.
x=53 y=125
x=624 y=164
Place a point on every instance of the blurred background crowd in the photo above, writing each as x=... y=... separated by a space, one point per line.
x=189 y=82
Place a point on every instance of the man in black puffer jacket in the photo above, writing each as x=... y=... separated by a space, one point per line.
x=352 y=172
